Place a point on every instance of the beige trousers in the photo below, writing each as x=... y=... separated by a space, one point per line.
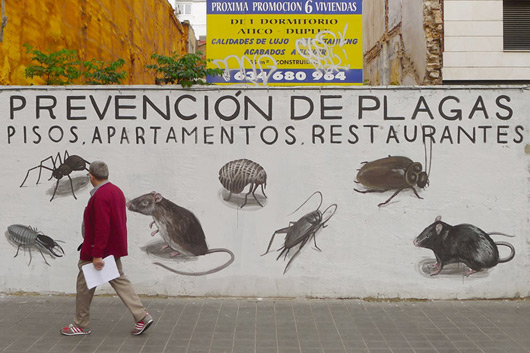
x=121 y=285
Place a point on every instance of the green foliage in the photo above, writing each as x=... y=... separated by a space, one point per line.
x=187 y=70
x=101 y=73
x=56 y=68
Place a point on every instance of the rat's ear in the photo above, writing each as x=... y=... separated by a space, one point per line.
x=158 y=197
x=439 y=228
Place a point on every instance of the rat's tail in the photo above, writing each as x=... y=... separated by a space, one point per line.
x=512 y=253
x=228 y=263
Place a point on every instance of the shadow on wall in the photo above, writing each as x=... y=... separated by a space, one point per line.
x=427 y=266
x=64 y=188
x=160 y=249
x=237 y=201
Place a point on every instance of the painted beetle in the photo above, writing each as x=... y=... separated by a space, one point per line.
x=393 y=173
x=28 y=236
x=301 y=231
x=236 y=175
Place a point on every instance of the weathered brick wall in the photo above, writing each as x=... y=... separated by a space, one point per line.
x=433 y=17
x=408 y=50
x=102 y=29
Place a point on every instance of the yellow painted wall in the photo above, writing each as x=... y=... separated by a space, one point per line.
x=102 y=29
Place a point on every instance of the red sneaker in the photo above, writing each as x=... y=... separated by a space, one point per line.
x=73 y=330
x=142 y=325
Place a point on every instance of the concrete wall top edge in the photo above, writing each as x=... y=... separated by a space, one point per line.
x=238 y=88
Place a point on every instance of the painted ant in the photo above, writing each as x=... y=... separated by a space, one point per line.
x=61 y=167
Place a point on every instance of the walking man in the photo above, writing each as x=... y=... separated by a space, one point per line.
x=105 y=233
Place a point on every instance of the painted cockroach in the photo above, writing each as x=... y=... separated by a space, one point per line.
x=393 y=173
x=26 y=236
x=301 y=231
x=236 y=175
x=61 y=167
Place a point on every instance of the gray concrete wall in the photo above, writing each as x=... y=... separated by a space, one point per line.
x=310 y=142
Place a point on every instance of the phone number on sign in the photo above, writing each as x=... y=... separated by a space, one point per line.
x=294 y=76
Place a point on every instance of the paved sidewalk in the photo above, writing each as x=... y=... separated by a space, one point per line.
x=196 y=325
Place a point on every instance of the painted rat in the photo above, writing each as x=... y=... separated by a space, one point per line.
x=179 y=228
x=461 y=243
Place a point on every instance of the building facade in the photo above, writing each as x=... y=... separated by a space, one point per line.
x=486 y=41
x=446 y=42
x=193 y=11
x=97 y=29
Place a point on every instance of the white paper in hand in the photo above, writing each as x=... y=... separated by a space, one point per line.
x=95 y=277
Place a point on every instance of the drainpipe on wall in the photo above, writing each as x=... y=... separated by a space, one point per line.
x=4 y=21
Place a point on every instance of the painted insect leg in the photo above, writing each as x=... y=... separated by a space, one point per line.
x=263 y=191
x=283 y=230
x=72 y=186
x=57 y=185
x=322 y=225
x=369 y=190
x=391 y=197
x=416 y=193
x=55 y=190
x=284 y=252
x=42 y=256
x=30 y=257
x=246 y=195
x=56 y=162
x=397 y=192
x=229 y=196
x=296 y=253
x=29 y=170
x=254 y=188
x=315 y=240
x=18 y=248
x=27 y=174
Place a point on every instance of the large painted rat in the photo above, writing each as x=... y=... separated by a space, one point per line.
x=179 y=228
x=461 y=243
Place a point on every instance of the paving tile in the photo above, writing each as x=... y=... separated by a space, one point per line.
x=217 y=350
x=148 y=348
x=312 y=350
x=196 y=325
x=222 y=342
x=406 y=350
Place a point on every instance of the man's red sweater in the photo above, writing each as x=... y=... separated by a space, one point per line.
x=105 y=224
